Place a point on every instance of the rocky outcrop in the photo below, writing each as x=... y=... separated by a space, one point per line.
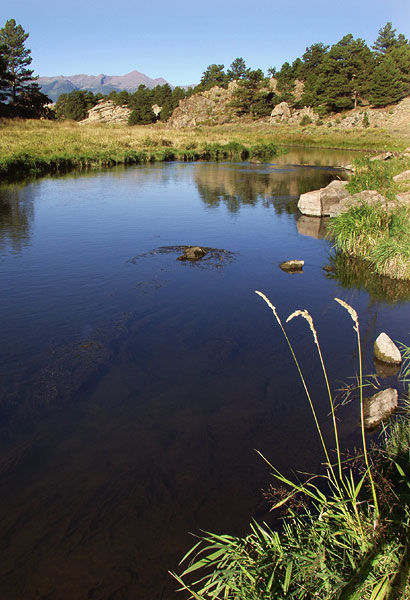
x=334 y=200
x=281 y=112
x=107 y=112
x=385 y=350
x=211 y=107
x=380 y=407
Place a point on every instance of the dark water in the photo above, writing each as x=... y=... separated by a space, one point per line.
x=135 y=387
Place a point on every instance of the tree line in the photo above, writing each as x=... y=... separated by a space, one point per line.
x=76 y=104
x=20 y=95
x=332 y=79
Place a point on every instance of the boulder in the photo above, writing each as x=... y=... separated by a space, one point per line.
x=403 y=198
x=380 y=407
x=105 y=111
x=385 y=350
x=281 y=110
x=405 y=176
x=193 y=253
x=292 y=266
x=320 y=203
x=370 y=197
x=383 y=156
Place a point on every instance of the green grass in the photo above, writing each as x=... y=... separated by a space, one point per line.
x=346 y=533
x=376 y=234
x=39 y=147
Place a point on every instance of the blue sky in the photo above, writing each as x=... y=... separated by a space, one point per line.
x=178 y=39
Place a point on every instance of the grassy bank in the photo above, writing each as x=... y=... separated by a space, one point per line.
x=345 y=534
x=40 y=147
x=377 y=235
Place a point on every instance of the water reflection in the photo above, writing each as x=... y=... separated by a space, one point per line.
x=352 y=273
x=272 y=185
x=16 y=217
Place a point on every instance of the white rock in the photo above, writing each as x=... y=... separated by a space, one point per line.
x=386 y=350
x=405 y=176
x=379 y=407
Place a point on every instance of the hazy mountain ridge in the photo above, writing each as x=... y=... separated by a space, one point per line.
x=53 y=87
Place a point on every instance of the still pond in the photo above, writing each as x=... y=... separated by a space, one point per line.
x=135 y=388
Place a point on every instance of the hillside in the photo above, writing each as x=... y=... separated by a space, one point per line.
x=53 y=87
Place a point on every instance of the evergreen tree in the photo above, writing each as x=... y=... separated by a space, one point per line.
x=387 y=40
x=343 y=74
x=386 y=86
x=141 y=103
x=212 y=76
x=13 y=38
x=286 y=83
x=237 y=70
x=248 y=93
x=400 y=55
x=4 y=77
x=312 y=60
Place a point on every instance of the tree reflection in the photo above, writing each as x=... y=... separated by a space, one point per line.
x=16 y=217
x=271 y=185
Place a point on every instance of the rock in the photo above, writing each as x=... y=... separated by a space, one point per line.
x=156 y=109
x=105 y=111
x=370 y=197
x=405 y=176
x=320 y=203
x=403 y=198
x=212 y=107
x=193 y=253
x=281 y=111
x=383 y=156
x=292 y=266
x=379 y=407
x=386 y=350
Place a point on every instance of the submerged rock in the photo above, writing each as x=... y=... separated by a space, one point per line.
x=193 y=253
x=380 y=407
x=385 y=350
x=292 y=266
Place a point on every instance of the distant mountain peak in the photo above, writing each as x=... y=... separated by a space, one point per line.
x=53 y=87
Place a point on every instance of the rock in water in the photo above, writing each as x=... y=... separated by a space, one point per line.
x=386 y=350
x=380 y=407
x=193 y=253
x=292 y=266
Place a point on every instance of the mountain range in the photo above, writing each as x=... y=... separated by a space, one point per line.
x=53 y=87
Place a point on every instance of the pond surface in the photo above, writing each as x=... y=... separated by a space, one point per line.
x=135 y=388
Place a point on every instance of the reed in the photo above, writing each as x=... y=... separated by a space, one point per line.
x=351 y=538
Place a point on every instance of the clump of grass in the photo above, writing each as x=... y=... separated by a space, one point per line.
x=351 y=539
x=375 y=235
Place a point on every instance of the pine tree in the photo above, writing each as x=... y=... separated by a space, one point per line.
x=4 y=77
x=237 y=70
x=386 y=86
x=387 y=40
x=13 y=38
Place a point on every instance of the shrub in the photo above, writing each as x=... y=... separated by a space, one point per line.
x=306 y=120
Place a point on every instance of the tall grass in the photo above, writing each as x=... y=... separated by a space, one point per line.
x=46 y=146
x=349 y=541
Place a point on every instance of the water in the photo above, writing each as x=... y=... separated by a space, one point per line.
x=135 y=387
